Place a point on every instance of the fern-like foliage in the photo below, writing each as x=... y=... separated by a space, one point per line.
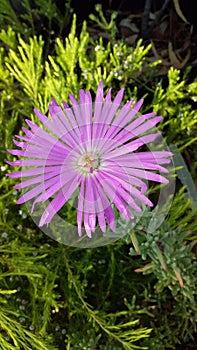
x=31 y=20
x=175 y=104
x=28 y=67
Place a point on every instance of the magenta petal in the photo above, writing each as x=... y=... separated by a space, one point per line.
x=43 y=118
x=99 y=208
x=59 y=132
x=120 y=184
x=32 y=125
x=99 y=93
x=107 y=208
x=22 y=138
x=112 y=193
x=54 y=102
x=139 y=121
x=82 y=96
x=109 y=213
x=31 y=194
x=52 y=182
x=87 y=226
x=20 y=144
x=89 y=207
x=130 y=147
x=149 y=138
x=34 y=180
x=152 y=157
x=118 y=97
x=108 y=114
x=16 y=152
x=119 y=119
x=134 y=129
x=58 y=202
x=32 y=172
x=15 y=163
x=27 y=132
x=92 y=221
x=122 y=119
x=80 y=207
x=101 y=221
x=65 y=105
x=108 y=97
x=145 y=174
x=55 y=183
x=115 y=169
x=138 y=105
x=147 y=126
x=73 y=100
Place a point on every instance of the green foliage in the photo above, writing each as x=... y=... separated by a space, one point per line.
x=9 y=16
x=102 y=23
x=170 y=259
x=124 y=333
x=8 y=37
x=185 y=176
x=73 y=66
x=22 y=268
x=169 y=253
x=15 y=336
x=139 y=292
x=28 y=68
x=175 y=105
x=28 y=20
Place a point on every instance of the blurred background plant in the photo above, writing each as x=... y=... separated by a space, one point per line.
x=139 y=292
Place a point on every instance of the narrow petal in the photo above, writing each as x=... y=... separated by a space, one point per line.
x=34 y=180
x=147 y=175
x=54 y=182
x=124 y=193
x=99 y=93
x=112 y=193
x=108 y=113
x=57 y=203
x=50 y=125
x=27 y=132
x=32 y=125
x=108 y=211
x=20 y=144
x=147 y=126
x=73 y=100
x=82 y=96
x=54 y=187
x=115 y=169
x=138 y=164
x=122 y=120
x=136 y=128
x=80 y=207
x=130 y=147
x=122 y=115
x=99 y=208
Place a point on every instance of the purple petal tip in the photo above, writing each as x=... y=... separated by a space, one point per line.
x=20 y=201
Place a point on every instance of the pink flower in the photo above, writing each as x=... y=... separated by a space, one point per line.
x=91 y=149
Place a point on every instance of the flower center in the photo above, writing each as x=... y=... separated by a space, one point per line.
x=88 y=163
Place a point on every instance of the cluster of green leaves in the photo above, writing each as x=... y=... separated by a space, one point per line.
x=170 y=259
x=44 y=299
x=176 y=104
x=29 y=17
x=56 y=297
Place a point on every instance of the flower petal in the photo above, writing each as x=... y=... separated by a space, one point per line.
x=57 y=203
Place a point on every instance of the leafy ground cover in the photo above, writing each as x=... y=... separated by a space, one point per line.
x=139 y=292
